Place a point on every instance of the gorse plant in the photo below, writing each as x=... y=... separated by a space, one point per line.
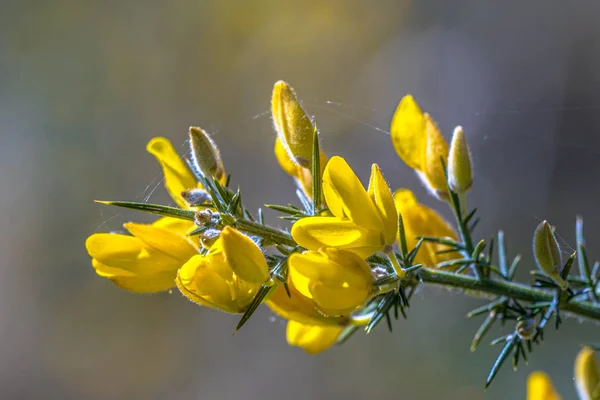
x=354 y=255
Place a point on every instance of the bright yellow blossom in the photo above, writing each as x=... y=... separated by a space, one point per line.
x=420 y=220
x=228 y=276
x=587 y=374
x=299 y=308
x=420 y=144
x=337 y=281
x=312 y=338
x=147 y=260
x=363 y=222
x=539 y=387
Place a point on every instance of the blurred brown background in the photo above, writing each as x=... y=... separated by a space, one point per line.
x=85 y=84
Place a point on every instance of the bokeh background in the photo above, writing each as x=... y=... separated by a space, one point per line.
x=85 y=84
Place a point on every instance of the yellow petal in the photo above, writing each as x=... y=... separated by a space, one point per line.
x=316 y=232
x=313 y=339
x=297 y=307
x=199 y=281
x=243 y=256
x=436 y=151
x=178 y=176
x=380 y=195
x=337 y=281
x=346 y=197
x=420 y=220
x=129 y=253
x=408 y=133
x=294 y=127
x=172 y=244
x=175 y=225
x=587 y=374
x=539 y=387
x=139 y=283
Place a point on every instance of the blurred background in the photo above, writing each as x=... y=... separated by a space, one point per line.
x=84 y=85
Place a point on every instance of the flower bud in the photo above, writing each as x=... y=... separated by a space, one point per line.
x=205 y=154
x=294 y=127
x=547 y=253
x=460 y=175
x=587 y=374
x=195 y=197
x=526 y=328
x=203 y=216
x=209 y=237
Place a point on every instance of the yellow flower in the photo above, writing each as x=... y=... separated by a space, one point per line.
x=228 y=276
x=420 y=220
x=337 y=281
x=420 y=144
x=301 y=175
x=147 y=260
x=363 y=222
x=587 y=374
x=312 y=338
x=299 y=308
x=539 y=387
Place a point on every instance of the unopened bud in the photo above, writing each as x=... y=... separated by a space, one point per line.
x=294 y=127
x=587 y=375
x=195 y=197
x=547 y=253
x=203 y=217
x=526 y=328
x=205 y=154
x=460 y=175
x=209 y=237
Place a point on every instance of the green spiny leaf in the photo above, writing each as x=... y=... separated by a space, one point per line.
x=316 y=174
x=165 y=211
x=506 y=350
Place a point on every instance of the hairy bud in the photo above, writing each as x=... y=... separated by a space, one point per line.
x=294 y=127
x=209 y=237
x=195 y=197
x=547 y=253
x=526 y=328
x=460 y=175
x=202 y=217
x=205 y=154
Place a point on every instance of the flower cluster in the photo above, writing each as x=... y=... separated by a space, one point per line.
x=354 y=254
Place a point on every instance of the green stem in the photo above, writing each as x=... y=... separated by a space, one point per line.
x=266 y=232
x=495 y=287
x=509 y=289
